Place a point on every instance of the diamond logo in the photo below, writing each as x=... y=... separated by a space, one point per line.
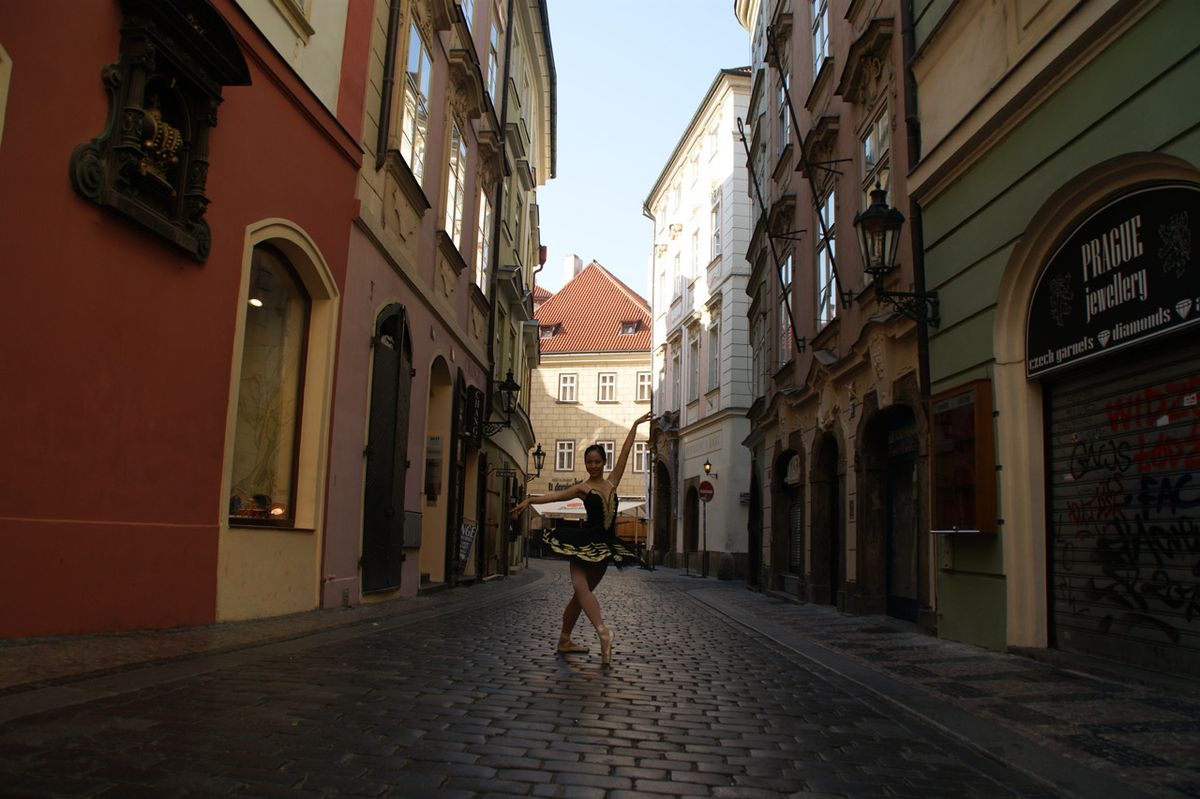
x=1184 y=307
x=1103 y=335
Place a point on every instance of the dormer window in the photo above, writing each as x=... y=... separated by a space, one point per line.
x=548 y=331
x=629 y=328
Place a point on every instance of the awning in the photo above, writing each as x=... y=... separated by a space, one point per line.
x=574 y=509
x=566 y=509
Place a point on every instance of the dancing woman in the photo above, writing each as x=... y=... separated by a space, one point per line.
x=593 y=546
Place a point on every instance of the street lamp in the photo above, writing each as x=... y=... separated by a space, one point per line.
x=509 y=389
x=539 y=460
x=879 y=242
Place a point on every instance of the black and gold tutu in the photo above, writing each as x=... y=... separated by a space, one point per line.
x=596 y=541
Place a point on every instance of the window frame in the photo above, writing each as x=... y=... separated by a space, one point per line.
x=820 y=33
x=456 y=185
x=568 y=383
x=483 y=242
x=289 y=519
x=645 y=380
x=564 y=453
x=945 y=474
x=827 y=289
x=641 y=457
x=606 y=380
x=422 y=86
x=714 y=359
x=784 y=316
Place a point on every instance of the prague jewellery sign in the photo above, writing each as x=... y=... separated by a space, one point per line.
x=1126 y=274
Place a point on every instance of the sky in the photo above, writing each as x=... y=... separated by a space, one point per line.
x=631 y=74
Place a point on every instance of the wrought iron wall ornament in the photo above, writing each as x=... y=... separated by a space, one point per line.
x=150 y=162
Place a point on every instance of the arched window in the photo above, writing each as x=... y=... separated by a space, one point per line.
x=267 y=430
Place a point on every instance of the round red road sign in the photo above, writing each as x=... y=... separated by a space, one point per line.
x=706 y=491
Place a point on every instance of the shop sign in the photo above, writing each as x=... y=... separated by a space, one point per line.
x=1126 y=274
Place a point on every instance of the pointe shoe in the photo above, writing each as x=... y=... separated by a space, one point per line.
x=606 y=642
x=568 y=647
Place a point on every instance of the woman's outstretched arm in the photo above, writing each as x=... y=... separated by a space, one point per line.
x=569 y=492
x=618 y=469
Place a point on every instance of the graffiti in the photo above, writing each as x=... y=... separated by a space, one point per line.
x=1126 y=528
x=1087 y=456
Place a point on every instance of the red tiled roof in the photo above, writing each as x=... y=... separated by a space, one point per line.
x=541 y=293
x=589 y=311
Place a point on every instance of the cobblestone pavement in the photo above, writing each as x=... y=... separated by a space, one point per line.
x=714 y=691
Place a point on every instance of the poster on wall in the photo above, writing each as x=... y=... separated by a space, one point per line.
x=1126 y=274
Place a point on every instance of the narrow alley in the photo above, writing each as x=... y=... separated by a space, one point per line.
x=714 y=691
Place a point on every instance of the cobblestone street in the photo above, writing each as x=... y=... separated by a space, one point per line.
x=714 y=691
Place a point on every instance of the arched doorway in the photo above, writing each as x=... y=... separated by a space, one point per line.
x=787 y=523
x=691 y=524
x=663 y=528
x=436 y=476
x=888 y=523
x=754 y=532
x=828 y=570
x=387 y=452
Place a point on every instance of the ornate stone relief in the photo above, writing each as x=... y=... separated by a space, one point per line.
x=447 y=278
x=150 y=162
x=399 y=217
x=878 y=346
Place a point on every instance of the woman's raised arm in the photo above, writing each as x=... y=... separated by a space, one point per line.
x=569 y=492
x=618 y=469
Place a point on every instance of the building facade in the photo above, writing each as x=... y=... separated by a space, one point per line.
x=593 y=382
x=296 y=342
x=433 y=268
x=1059 y=178
x=838 y=430
x=700 y=210
x=173 y=471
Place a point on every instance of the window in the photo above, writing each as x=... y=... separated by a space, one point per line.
x=676 y=276
x=630 y=328
x=518 y=217
x=758 y=341
x=493 y=49
x=610 y=448
x=265 y=449
x=468 y=10
x=660 y=406
x=784 y=121
x=564 y=456
x=876 y=152
x=714 y=356
x=567 y=388
x=693 y=367
x=547 y=331
x=5 y=75
x=714 y=224
x=607 y=388
x=414 y=127
x=962 y=460
x=820 y=33
x=675 y=367
x=483 y=242
x=645 y=387
x=695 y=254
x=456 y=186
x=712 y=140
x=827 y=297
x=785 y=316
x=662 y=297
x=694 y=166
x=641 y=457
x=676 y=195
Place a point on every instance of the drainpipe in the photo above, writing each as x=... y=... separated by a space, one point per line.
x=494 y=281
x=912 y=128
x=389 y=67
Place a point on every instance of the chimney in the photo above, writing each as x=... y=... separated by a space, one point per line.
x=572 y=266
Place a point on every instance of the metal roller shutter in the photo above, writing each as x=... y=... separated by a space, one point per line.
x=1124 y=498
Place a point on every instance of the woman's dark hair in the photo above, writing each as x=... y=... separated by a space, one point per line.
x=598 y=448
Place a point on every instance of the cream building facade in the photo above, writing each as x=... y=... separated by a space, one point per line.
x=700 y=210
x=593 y=382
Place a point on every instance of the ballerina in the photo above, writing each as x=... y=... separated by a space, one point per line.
x=593 y=546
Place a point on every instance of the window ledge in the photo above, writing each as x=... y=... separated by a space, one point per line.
x=296 y=17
